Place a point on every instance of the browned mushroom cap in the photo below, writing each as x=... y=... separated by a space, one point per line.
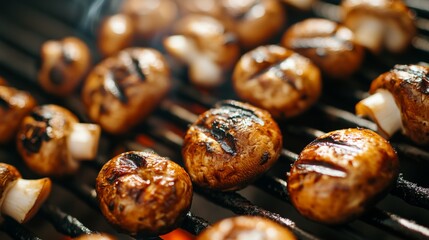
x=278 y=80
x=328 y=44
x=95 y=236
x=123 y=89
x=400 y=100
x=14 y=106
x=300 y=4
x=143 y=194
x=206 y=46
x=115 y=33
x=63 y=65
x=378 y=25
x=231 y=145
x=244 y=228
x=51 y=140
x=341 y=174
x=254 y=21
x=21 y=198
x=150 y=16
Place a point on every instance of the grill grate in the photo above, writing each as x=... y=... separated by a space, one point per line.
x=25 y=24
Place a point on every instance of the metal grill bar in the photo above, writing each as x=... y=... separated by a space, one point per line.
x=16 y=230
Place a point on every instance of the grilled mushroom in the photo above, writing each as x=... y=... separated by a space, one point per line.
x=64 y=64
x=245 y=228
x=143 y=194
x=123 y=89
x=116 y=33
x=400 y=100
x=341 y=174
x=278 y=80
x=14 y=106
x=150 y=17
x=21 y=198
x=300 y=4
x=95 y=236
x=206 y=46
x=378 y=25
x=231 y=145
x=254 y=21
x=52 y=141
x=328 y=44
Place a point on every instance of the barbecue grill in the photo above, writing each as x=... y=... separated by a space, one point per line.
x=72 y=208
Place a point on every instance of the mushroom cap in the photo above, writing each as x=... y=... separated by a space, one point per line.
x=254 y=21
x=231 y=145
x=143 y=194
x=393 y=14
x=14 y=106
x=246 y=227
x=8 y=174
x=409 y=85
x=341 y=174
x=277 y=79
x=150 y=17
x=64 y=64
x=115 y=33
x=211 y=38
x=42 y=140
x=95 y=236
x=123 y=89
x=329 y=45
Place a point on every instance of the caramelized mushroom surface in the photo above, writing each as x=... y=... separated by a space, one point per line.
x=378 y=25
x=21 y=198
x=254 y=21
x=95 y=236
x=245 y=228
x=400 y=100
x=115 y=33
x=231 y=145
x=52 y=141
x=123 y=89
x=206 y=46
x=329 y=45
x=14 y=106
x=143 y=194
x=341 y=174
x=64 y=64
x=278 y=80
x=150 y=17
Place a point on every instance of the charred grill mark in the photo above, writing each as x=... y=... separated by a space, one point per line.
x=133 y=160
x=111 y=206
x=56 y=74
x=3 y=103
x=112 y=86
x=116 y=174
x=321 y=167
x=34 y=135
x=137 y=69
x=331 y=141
x=264 y=158
x=220 y=132
x=234 y=111
x=417 y=75
x=278 y=72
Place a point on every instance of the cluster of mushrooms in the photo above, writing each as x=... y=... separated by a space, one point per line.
x=231 y=145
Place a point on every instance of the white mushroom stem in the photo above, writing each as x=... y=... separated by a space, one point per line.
x=24 y=198
x=83 y=141
x=370 y=32
x=382 y=109
x=202 y=69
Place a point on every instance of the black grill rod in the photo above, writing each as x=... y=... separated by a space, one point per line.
x=63 y=222
x=45 y=25
x=331 y=112
x=192 y=223
x=16 y=230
